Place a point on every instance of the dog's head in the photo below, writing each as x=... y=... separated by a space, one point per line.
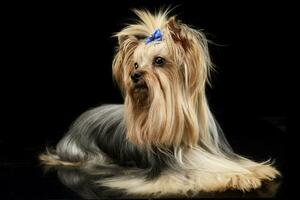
x=161 y=66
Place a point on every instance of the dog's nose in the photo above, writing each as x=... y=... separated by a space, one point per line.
x=135 y=76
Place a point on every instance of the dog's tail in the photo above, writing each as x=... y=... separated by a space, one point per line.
x=80 y=145
x=51 y=159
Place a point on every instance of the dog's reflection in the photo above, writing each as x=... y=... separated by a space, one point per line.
x=84 y=185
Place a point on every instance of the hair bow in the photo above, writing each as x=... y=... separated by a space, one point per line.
x=156 y=36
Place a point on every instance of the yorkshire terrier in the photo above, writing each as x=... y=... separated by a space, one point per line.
x=164 y=140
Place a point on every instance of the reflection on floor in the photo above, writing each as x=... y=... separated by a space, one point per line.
x=85 y=187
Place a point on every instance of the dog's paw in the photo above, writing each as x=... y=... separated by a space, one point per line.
x=265 y=172
x=244 y=182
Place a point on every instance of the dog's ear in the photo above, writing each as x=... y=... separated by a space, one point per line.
x=122 y=38
x=176 y=31
x=196 y=60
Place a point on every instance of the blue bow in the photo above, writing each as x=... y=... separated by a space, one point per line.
x=156 y=36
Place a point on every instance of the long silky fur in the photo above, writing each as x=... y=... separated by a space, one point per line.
x=164 y=140
x=97 y=139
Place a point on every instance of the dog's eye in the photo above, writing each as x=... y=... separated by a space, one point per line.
x=159 y=61
x=136 y=65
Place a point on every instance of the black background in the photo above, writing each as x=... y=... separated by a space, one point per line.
x=59 y=65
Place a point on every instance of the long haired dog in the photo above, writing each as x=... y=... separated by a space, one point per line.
x=164 y=139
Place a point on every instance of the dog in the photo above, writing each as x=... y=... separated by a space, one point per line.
x=164 y=140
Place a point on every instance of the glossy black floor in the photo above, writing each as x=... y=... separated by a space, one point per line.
x=23 y=177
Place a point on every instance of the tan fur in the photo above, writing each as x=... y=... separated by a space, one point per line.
x=187 y=182
x=173 y=112
x=181 y=118
x=200 y=173
x=52 y=160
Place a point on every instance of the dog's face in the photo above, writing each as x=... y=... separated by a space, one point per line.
x=151 y=73
x=162 y=81
x=148 y=58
